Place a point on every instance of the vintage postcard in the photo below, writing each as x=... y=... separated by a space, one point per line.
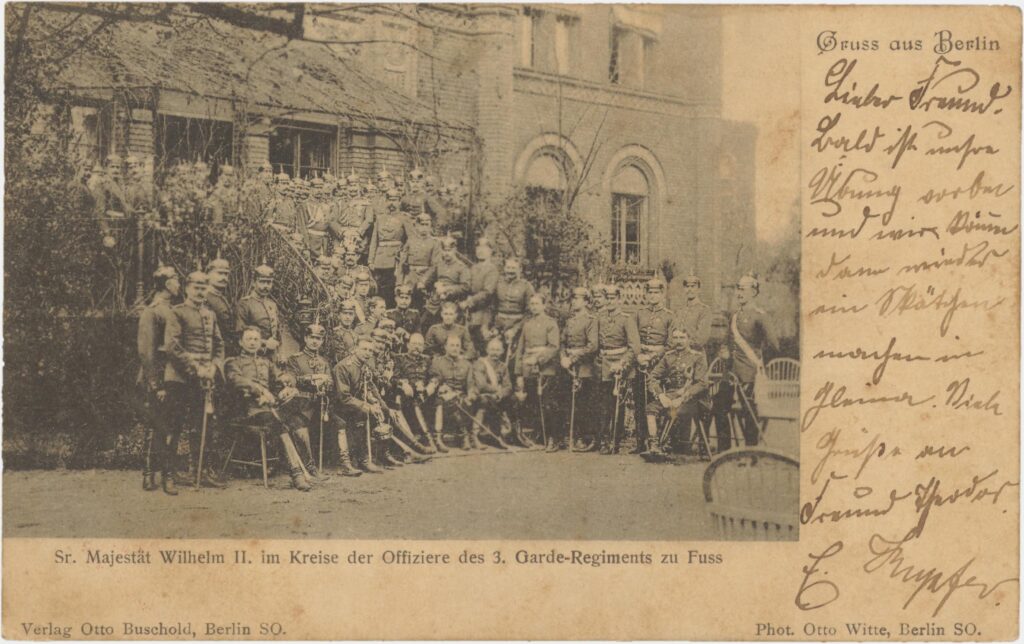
x=511 y=321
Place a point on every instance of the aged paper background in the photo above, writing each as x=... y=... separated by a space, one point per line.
x=910 y=466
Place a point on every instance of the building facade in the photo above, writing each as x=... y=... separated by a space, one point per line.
x=623 y=102
x=619 y=104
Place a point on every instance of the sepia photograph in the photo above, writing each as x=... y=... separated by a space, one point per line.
x=401 y=271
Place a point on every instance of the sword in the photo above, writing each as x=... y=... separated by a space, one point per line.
x=572 y=407
x=615 y=414
x=540 y=406
x=476 y=422
x=207 y=409
x=323 y=413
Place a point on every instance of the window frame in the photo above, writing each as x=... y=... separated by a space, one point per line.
x=296 y=167
x=622 y=204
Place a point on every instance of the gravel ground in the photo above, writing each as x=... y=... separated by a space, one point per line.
x=479 y=495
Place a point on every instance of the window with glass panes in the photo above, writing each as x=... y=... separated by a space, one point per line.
x=629 y=214
x=303 y=152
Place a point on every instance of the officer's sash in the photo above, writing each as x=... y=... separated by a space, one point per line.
x=744 y=346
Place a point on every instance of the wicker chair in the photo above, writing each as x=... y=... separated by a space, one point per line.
x=752 y=494
x=777 y=395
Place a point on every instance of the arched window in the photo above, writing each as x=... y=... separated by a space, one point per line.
x=545 y=187
x=630 y=203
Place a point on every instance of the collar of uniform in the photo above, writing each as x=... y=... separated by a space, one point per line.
x=251 y=356
x=161 y=297
x=656 y=309
x=311 y=354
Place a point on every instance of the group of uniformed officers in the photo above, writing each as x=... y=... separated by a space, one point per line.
x=428 y=355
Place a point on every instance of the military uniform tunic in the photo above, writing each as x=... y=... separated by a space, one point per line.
x=349 y=380
x=579 y=337
x=217 y=303
x=654 y=326
x=618 y=340
x=513 y=299
x=251 y=375
x=454 y=275
x=695 y=317
x=391 y=232
x=153 y=325
x=407 y=318
x=681 y=373
x=456 y=373
x=483 y=284
x=351 y=215
x=303 y=366
x=438 y=334
x=540 y=338
x=420 y=257
x=412 y=367
x=192 y=338
x=491 y=380
x=260 y=312
x=751 y=322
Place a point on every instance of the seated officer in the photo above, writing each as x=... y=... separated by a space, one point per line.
x=309 y=407
x=451 y=378
x=494 y=390
x=255 y=379
x=678 y=384
x=411 y=375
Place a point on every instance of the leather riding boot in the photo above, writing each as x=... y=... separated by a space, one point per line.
x=298 y=477
x=439 y=441
x=345 y=467
x=388 y=460
x=299 y=481
x=168 y=483
x=606 y=449
x=368 y=466
x=477 y=443
x=551 y=446
x=639 y=448
x=149 y=481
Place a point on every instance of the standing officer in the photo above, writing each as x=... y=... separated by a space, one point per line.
x=618 y=343
x=195 y=350
x=535 y=374
x=390 y=232
x=512 y=298
x=219 y=270
x=259 y=310
x=579 y=348
x=419 y=258
x=483 y=284
x=695 y=315
x=679 y=384
x=349 y=219
x=263 y=388
x=439 y=333
x=344 y=335
x=417 y=200
x=654 y=323
x=451 y=283
x=314 y=381
x=750 y=332
x=153 y=323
